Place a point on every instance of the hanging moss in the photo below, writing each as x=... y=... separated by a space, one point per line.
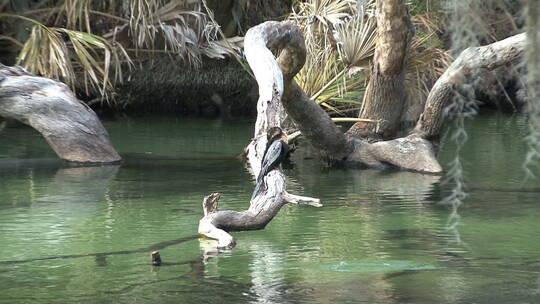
x=220 y=87
x=533 y=84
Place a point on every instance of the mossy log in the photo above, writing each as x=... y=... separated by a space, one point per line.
x=71 y=128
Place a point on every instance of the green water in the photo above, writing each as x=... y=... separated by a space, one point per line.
x=84 y=235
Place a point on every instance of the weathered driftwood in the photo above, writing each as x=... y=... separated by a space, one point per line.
x=472 y=63
x=415 y=152
x=72 y=129
x=258 y=41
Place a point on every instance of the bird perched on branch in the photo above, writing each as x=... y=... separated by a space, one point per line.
x=274 y=154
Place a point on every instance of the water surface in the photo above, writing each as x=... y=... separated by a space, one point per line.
x=84 y=234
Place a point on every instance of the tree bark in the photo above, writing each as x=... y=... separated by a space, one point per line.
x=386 y=94
x=217 y=223
x=315 y=124
x=470 y=65
x=71 y=128
x=417 y=151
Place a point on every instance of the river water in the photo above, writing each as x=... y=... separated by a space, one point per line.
x=84 y=234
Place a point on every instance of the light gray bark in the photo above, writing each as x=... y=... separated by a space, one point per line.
x=71 y=128
x=472 y=63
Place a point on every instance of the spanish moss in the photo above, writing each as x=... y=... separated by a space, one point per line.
x=533 y=84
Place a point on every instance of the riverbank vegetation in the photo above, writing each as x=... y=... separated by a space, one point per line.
x=114 y=54
x=94 y=46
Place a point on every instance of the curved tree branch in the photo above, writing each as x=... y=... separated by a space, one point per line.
x=217 y=223
x=315 y=124
x=470 y=64
x=71 y=128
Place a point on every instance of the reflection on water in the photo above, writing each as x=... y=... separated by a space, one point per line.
x=84 y=234
x=80 y=184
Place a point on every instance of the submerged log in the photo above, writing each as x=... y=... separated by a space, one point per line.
x=71 y=128
x=265 y=205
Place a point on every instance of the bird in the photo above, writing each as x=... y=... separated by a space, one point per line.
x=210 y=203
x=274 y=154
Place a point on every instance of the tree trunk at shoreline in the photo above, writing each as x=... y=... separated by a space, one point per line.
x=71 y=128
x=386 y=94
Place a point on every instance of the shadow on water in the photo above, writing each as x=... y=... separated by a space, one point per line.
x=100 y=255
x=83 y=184
x=32 y=163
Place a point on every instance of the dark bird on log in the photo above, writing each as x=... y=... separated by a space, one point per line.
x=274 y=154
x=156 y=258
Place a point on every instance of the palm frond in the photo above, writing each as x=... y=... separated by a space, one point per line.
x=320 y=67
x=58 y=52
x=142 y=21
x=340 y=35
x=428 y=22
x=181 y=27
x=323 y=13
x=427 y=60
x=224 y=47
x=46 y=53
x=356 y=40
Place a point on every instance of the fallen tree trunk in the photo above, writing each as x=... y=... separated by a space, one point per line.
x=71 y=128
x=417 y=151
x=259 y=40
